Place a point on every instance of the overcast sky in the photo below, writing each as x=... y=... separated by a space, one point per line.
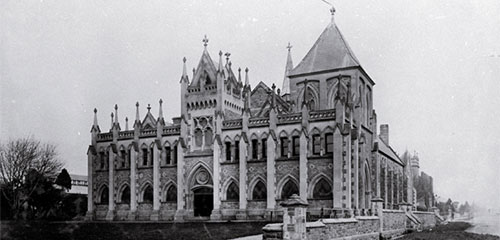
x=436 y=65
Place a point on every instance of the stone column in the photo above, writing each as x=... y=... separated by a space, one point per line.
x=357 y=160
x=111 y=185
x=377 y=205
x=303 y=167
x=156 y=183
x=90 y=189
x=216 y=213
x=242 y=212
x=179 y=214
x=271 y=175
x=337 y=168
x=133 y=196
x=348 y=171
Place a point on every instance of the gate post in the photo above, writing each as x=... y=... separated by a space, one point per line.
x=294 y=218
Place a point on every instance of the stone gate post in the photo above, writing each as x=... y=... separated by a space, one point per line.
x=294 y=218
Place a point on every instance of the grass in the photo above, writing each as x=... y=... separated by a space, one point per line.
x=451 y=231
x=127 y=230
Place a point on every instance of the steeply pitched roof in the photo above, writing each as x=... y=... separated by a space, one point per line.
x=206 y=64
x=329 y=52
x=387 y=150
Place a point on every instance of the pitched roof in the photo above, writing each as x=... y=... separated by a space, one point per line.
x=206 y=64
x=329 y=52
x=387 y=150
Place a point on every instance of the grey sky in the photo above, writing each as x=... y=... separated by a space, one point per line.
x=436 y=65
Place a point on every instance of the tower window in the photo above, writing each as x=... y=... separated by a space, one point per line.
x=228 y=151
x=255 y=149
x=144 y=157
x=329 y=142
x=316 y=144
x=296 y=145
x=264 y=148
x=284 y=146
x=237 y=151
x=168 y=155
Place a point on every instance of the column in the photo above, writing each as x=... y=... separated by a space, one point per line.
x=111 y=185
x=303 y=167
x=271 y=173
x=179 y=214
x=337 y=168
x=357 y=160
x=348 y=171
x=216 y=213
x=156 y=183
x=133 y=196
x=242 y=214
x=90 y=197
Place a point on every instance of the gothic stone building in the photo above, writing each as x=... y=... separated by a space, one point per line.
x=236 y=152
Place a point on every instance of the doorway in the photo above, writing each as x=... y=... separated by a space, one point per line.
x=203 y=201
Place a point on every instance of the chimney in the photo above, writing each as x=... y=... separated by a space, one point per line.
x=384 y=133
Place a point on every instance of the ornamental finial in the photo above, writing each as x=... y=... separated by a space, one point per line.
x=205 y=41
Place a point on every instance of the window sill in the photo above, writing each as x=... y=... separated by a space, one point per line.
x=229 y=163
x=288 y=159
x=145 y=167
x=169 y=166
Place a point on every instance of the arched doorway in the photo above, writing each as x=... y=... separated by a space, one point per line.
x=203 y=201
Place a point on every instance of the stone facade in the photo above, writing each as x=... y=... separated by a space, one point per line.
x=237 y=152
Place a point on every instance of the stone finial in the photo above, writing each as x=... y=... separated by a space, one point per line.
x=289 y=47
x=149 y=107
x=205 y=41
x=220 y=61
x=247 y=80
x=239 y=74
x=116 y=113
x=227 y=54
x=160 y=113
x=112 y=119
x=137 y=118
x=332 y=12
x=95 y=117
x=273 y=87
x=126 y=123
x=184 y=71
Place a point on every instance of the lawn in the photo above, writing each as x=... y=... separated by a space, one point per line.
x=451 y=231
x=128 y=230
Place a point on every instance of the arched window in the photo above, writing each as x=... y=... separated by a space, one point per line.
x=259 y=191
x=102 y=160
x=198 y=136
x=104 y=195
x=125 y=195
x=233 y=192
x=289 y=189
x=322 y=190
x=208 y=137
x=171 y=194
x=147 y=195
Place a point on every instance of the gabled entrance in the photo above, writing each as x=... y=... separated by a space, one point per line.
x=203 y=202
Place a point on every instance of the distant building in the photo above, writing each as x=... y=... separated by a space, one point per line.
x=420 y=183
x=79 y=184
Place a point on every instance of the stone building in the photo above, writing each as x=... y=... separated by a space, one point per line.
x=421 y=184
x=236 y=152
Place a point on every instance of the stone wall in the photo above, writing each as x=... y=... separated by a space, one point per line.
x=354 y=228
x=428 y=219
x=394 y=223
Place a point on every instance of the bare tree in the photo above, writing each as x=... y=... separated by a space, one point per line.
x=17 y=158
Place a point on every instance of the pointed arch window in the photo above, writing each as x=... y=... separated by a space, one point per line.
x=123 y=159
x=322 y=190
x=259 y=191
x=289 y=189
x=171 y=194
x=147 y=195
x=233 y=192
x=264 y=148
x=198 y=137
x=255 y=149
x=329 y=142
x=104 y=195
x=316 y=144
x=168 y=155
x=102 y=160
x=208 y=137
x=144 y=157
x=125 y=195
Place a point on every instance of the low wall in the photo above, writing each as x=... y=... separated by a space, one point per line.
x=428 y=219
x=362 y=227
x=394 y=223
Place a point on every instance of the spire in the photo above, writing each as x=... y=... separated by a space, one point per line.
x=137 y=118
x=160 y=113
x=116 y=114
x=95 y=117
x=126 y=123
x=330 y=52
x=239 y=75
x=112 y=117
x=247 y=81
x=220 y=69
x=184 y=72
x=288 y=68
